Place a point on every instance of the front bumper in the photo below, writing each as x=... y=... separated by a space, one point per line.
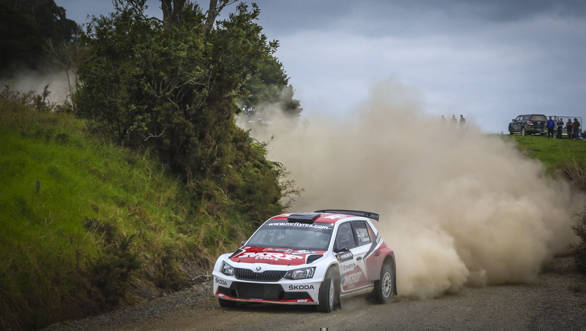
x=301 y=292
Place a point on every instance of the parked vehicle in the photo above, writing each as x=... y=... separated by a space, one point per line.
x=529 y=124
x=308 y=259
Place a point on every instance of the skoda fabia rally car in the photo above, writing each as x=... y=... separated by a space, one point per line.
x=310 y=259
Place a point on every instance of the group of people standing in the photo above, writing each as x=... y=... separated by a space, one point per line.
x=455 y=120
x=557 y=125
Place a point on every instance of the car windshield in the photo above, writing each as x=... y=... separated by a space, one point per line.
x=538 y=118
x=284 y=234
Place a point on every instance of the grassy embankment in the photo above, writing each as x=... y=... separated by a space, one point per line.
x=560 y=156
x=85 y=225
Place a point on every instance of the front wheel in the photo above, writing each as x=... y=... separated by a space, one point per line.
x=328 y=292
x=383 y=289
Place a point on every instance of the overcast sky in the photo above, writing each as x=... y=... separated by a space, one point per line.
x=488 y=60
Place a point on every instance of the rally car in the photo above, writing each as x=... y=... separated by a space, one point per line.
x=309 y=259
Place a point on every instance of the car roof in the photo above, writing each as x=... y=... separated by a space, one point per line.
x=323 y=218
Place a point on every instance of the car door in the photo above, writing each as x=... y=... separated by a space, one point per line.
x=343 y=246
x=363 y=245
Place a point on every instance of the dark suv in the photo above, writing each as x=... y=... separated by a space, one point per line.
x=529 y=124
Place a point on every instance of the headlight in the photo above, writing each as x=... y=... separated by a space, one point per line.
x=302 y=273
x=227 y=269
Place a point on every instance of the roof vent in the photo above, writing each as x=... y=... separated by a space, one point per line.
x=303 y=218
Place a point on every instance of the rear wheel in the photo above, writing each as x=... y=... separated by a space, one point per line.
x=384 y=288
x=226 y=303
x=328 y=292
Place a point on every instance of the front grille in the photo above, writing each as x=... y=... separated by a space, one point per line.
x=265 y=276
x=261 y=291
x=258 y=291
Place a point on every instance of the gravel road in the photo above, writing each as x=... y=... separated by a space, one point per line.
x=555 y=301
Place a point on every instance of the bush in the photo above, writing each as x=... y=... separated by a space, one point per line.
x=172 y=88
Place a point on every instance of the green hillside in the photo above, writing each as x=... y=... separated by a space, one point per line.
x=561 y=157
x=83 y=221
x=554 y=153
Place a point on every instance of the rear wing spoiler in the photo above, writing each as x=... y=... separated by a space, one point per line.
x=361 y=213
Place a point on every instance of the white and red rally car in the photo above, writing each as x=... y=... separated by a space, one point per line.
x=309 y=258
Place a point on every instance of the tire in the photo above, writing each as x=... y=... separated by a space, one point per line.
x=385 y=287
x=328 y=292
x=523 y=131
x=226 y=303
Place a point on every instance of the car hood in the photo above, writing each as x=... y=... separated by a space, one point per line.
x=278 y=256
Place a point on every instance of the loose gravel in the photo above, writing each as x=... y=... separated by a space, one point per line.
x=555 y=300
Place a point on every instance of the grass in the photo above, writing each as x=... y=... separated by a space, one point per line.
x=81 y=221
x=553 y=153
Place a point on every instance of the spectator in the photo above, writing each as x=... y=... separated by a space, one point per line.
x=576 y=127
x=454 y=119
x=462 y=120
x=560 y=124
x=550 y=127
x=569 y=128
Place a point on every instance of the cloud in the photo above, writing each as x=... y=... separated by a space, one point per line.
x=489 y=60
x=486 y=68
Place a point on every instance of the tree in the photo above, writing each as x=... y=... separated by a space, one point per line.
x=29 y=29
x=172 y=86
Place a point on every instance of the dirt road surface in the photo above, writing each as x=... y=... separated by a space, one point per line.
x=555 y=301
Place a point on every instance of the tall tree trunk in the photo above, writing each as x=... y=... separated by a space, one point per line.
x=212 y=14
x=214 y=10
x=172 y=10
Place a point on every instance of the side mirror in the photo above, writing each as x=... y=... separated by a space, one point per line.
x=344 y=254
x=242 y=243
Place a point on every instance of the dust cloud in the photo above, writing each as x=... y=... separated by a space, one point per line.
x=59 y=84
x=459 y=207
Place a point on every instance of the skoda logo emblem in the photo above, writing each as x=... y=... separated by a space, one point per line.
x=258 y=268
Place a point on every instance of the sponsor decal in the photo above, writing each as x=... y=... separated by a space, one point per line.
x=326 y=226
x=300 y=287
x=351 y=278
x=271 y=256
x=347 y=267
x=221 y=281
